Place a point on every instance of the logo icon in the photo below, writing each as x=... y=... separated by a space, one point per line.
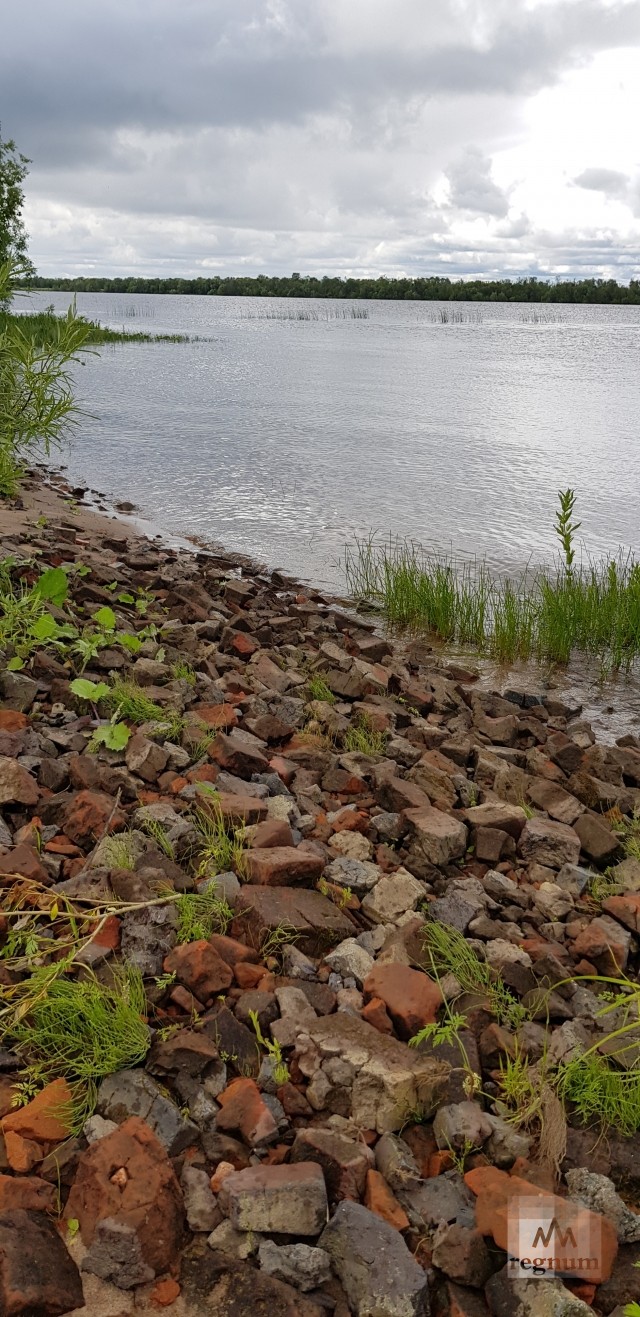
x=546 y=1242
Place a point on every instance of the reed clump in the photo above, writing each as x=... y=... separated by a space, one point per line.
x=546 y=613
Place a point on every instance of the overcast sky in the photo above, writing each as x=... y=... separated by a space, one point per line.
x=351 y=136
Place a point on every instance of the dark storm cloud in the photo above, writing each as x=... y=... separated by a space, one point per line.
x=72 y=74
x=283 y=134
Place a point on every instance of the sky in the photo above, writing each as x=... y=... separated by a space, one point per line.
x=398 y=137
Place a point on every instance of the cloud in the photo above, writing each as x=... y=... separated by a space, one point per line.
x=610 y=181
x=299 y=133
x=472 y=187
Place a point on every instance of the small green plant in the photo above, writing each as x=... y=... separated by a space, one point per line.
x=632 y=1309
x=362 y=737
x=202 y=913
x=520 y=1090
x=73 y=1226
x=564 y=527
x=164 y=981
x=340 y=897
x=317 y=689
x=274 y=1051
x=459 y=1156
x=113 y=736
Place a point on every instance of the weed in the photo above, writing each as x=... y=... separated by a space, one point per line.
x=164 y=981
x=274 y=1050
x=362 y=737
x=200 y=914
x=565 y=529
x=183 y=671
x=448 y=950
x=221 y=846
x=128 y=700
x=600 y=886
x=119 y=851
x=340 y=898
x=276 y=938
x=155 y=830
x=520 y=1089
x=84 y=1030
x=113 y=736
x=317 y=689
x=599 y=1093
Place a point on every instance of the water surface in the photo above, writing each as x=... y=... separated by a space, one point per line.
x=284 y=437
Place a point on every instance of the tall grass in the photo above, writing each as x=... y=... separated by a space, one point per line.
x=546 y=613
x=42 y=328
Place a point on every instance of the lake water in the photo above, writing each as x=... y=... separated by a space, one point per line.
x=283 y=437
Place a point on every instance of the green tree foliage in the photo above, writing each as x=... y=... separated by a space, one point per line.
x=431 y=288
x=13 y=238
x=37 y=403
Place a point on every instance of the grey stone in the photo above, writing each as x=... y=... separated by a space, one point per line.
x=115 y=1255
x=378 y=1273
x=392 y=897
x=572 y=878
x=390 y=1077
x=549 y=843
x=285 y=1200
x=508 y=1297
x=96 y=1127
x=350 y=960
x=226 y=885
x=199 y=1200
x=442 y=1198
x=147 y=936
x=506 y=1143
x=461 y=1253
x=396 y=1162
x=18 y=690
x=598 y=1193
x=359 y=875
x=460 y=1125
x=235 y=1243
x=135 y=1093
x=297 y=1264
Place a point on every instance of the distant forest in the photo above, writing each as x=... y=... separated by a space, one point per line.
x=430 y=289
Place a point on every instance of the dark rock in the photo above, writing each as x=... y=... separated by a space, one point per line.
x=38 y=1278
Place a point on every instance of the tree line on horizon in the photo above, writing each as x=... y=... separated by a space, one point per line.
x=421 y=289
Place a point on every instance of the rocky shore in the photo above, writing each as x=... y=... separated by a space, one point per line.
x=379 y=932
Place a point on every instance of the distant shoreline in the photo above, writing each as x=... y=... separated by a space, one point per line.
x=598 y=292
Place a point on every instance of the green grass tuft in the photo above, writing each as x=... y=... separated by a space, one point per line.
x=83 y=1030
x=202 y=913
x=362 y=737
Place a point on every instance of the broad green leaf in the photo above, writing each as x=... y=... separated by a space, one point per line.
x=82 y=569
x=89 y=690
x=129 y=641
x=114 y=736
x=15 y=664
x=106 y=618
x=45 y=628
x=53 y=585
x=125 y=598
